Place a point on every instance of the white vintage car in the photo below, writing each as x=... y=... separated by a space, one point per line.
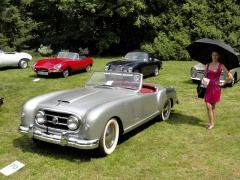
x=197 y=72
x=14 y=58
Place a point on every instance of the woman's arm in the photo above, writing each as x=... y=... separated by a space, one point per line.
x=228 y=74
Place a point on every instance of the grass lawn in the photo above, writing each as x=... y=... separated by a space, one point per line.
x=179 y=148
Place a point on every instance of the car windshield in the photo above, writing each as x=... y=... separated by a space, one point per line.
x=135 y=56
x=68 y=55
x=132 y=81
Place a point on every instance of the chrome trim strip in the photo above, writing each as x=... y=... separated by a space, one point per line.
x=63 y=140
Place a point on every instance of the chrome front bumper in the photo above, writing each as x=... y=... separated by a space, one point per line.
x=63 y=139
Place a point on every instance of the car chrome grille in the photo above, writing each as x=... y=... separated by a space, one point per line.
x=56 y=119
x=42 y=70
x=200 y=73
x=119 y=68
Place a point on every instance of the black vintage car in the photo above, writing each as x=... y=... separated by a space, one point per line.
x=136 y=61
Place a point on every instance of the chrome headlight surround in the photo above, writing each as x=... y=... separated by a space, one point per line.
x=130 y=69
x=33 y=65
x=193 y=72
x=57 y=66
x=41 y=117
x=73 y=122
x=106 y=68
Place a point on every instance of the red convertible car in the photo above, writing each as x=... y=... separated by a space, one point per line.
x=64 y=64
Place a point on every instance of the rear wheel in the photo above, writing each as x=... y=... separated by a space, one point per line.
x=65 y=73
x=109 y=137
x=23 y=64
x=166 y=110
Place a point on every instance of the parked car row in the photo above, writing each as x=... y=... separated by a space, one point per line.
x=113 y=102
x=90 y=117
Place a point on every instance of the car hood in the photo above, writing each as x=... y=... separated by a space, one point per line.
x=51 y=61
x=123 y=63
x=199 y=66
x=81 y=100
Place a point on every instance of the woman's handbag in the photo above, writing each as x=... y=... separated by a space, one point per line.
x=201 y=90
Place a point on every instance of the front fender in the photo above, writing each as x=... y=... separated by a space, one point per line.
x=97 y=118
x=31 y=106
x=161 y=99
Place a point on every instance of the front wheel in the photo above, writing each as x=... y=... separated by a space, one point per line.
x=156 y=71
x=23 y=64
x=233 y=81
x=88 y=68
x=109 y=137
x=65 y=73
x=166 y=110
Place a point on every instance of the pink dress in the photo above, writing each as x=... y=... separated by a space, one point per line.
x=213 y=91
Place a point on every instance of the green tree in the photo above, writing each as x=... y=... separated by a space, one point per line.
x=183 y=22
x=16 y=26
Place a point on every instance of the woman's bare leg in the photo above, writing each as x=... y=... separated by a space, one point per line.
x=211 y=114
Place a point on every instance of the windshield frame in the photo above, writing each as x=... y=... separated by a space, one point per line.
x=119 y=80
x=136 y=56
x=68 y=55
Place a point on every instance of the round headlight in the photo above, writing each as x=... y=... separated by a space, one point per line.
x=106 y=68
x=72 y=122
x=40 y=117
x=57 y=66
x=130 y=69
x=193 y=72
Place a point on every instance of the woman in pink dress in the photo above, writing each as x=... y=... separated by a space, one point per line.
x=213 y=91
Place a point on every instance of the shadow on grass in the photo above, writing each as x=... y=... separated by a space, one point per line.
x=78 y=155
x=57 y=75
x=177 y=118
x=53 y=150
x=11 y=68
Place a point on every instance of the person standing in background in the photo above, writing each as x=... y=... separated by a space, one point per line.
x=213 y=91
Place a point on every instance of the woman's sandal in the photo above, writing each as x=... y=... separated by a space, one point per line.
x=209 y=127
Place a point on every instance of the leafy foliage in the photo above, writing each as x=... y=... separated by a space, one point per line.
x=45 y=50
x=163 y=27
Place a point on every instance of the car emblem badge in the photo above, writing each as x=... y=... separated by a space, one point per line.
x=54 y=120
x=59 y=102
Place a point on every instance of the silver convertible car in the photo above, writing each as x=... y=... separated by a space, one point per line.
x=14 y=58
x=93 y=117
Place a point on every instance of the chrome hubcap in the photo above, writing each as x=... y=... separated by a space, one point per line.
x=110 y=135
x=23 y=64
x=166 y=109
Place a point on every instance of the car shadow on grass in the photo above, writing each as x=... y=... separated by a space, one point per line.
x=53 y=150
x=174 y=119
x=78 y=155
x=54 y=76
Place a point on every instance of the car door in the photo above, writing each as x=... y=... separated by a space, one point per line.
x=8 y=59
x=149 y=66
x=81 y=64
x=148 y=104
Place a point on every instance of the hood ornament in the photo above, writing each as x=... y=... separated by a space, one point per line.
x=60 y=101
